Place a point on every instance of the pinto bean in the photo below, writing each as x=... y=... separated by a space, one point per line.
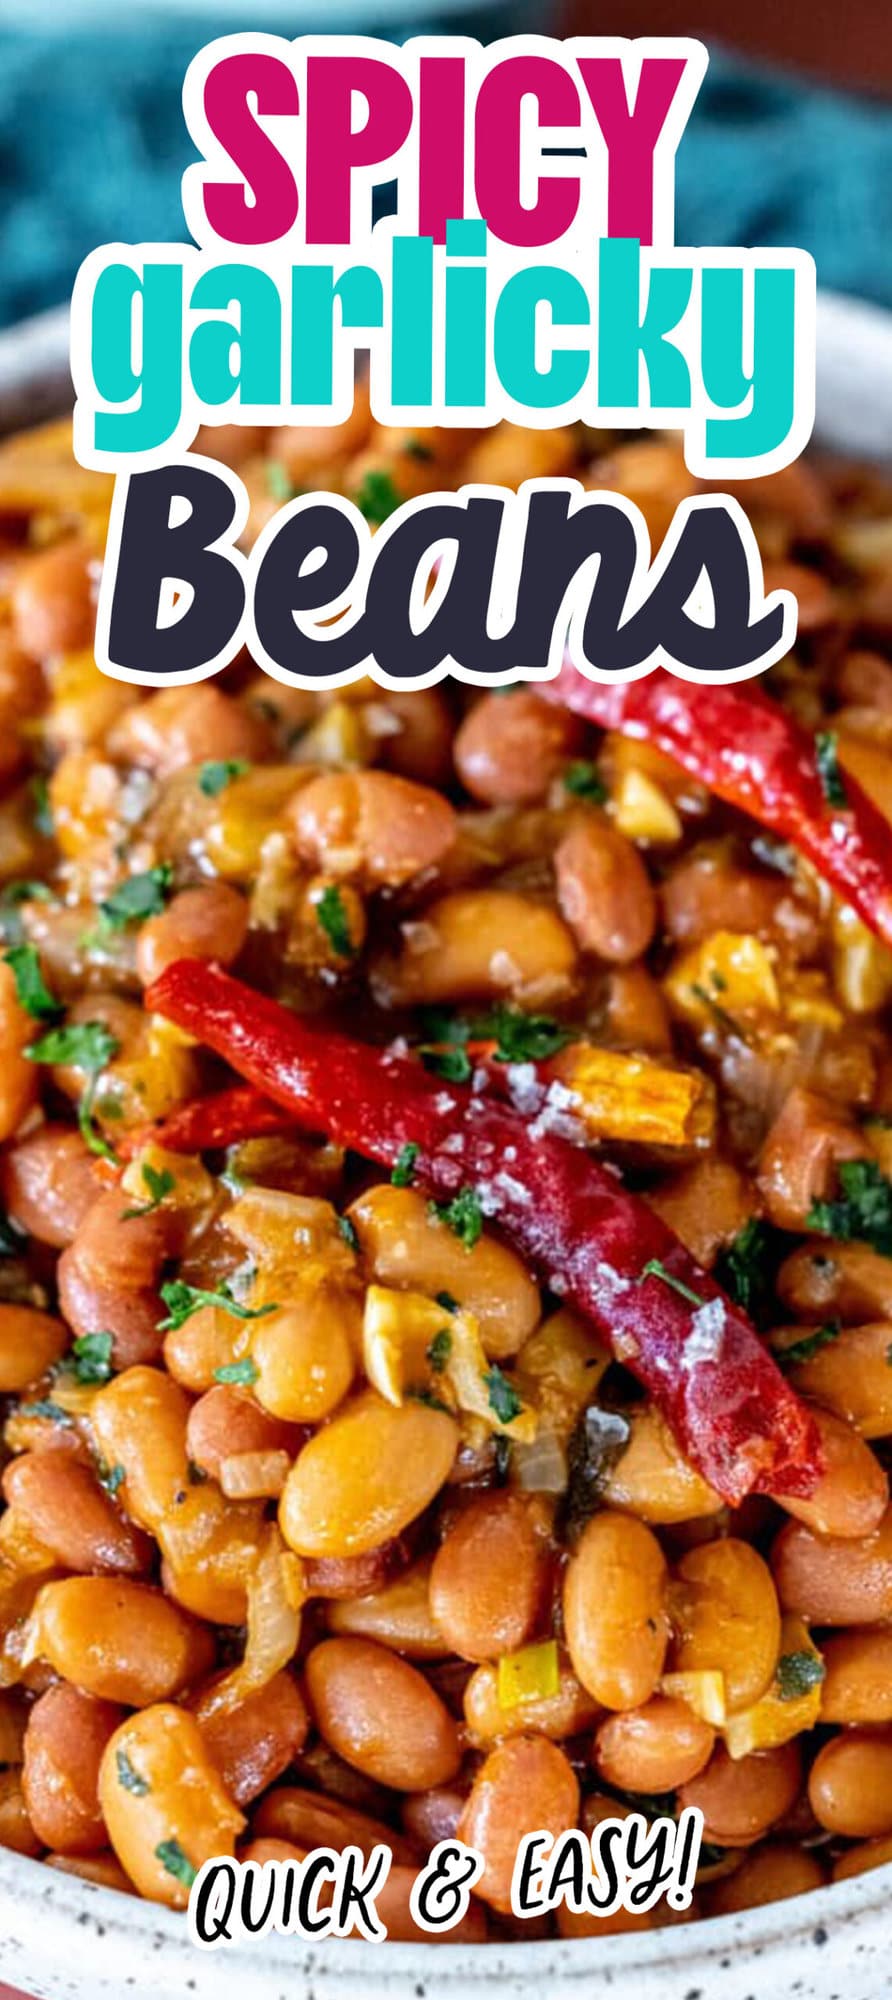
x=769 y=1874
x=850 y=1784
x=305 y=1355
x=108 y=1276
x=53 y=606
x=741 y=1799
x=798 y=1161
x=365 y=1476
x=430 y=1817
x=307 y=1820
x=47 y=1183
x=614 y=1611
x=481 y=944
x=604 y=891
x=66 y=1735
x=526 y=1785
x=392 y=1904
x=850 y=1375
x=852 y=1494
x=727 y=1620
x=372 y=826
x=254 y=1742
x=652 y=1480
x=18 y=1076
x=208 y=922
x=65 y=1506
x=846 y=1281
x=707 y=1204
x=30 y=1342
x=858 y=1860
x=16 y=1830
x=398 y=1614
x=118 y=1640
x=381 y=1715
x=104 y=1869
x=405 y=1247
x=834 y=1582
x=181 y=1809
x=490 y=1577
x=510 y=747
x=420 y=746
x=857 y=1685
x=655 y=1748
x=227 y=1421
x=704 y=892
x=189 y=725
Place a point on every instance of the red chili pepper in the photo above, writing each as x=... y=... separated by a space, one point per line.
x=748 y=751
x=596 y=1245
x=209 y=1124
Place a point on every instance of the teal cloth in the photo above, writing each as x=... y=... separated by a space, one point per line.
x=92 y=147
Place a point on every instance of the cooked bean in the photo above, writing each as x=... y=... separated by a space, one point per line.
x=653 y=1480
x=741 y=1800
x=30 y=1342
x=207 y=1341
x=654 y=1748
x=305 y=1355
x=397 y=1615
x=615 y=1612
x=567 y=1712
x=118 y=1640
x=308 y=1820
x=420 y=746
x=858 y=1860
x=18 y=1076
x=770 y=1874
x=430 y=1817
x=64 y=1742
x=53 y=605
x=526 y=1785
x=510 y=747
x=207 y=922
x=707 y=1204
x=801 y=1154
x=188 y=725
x=381 y=1715
x=587 y=1923
x=16 y=1830
x=47 y=1183
x=65 y=1506
x=490 y=1577
x=481 y=944
x=104 y=1869
x=405 y=1247
x=371 y=826
x=254 y=1742
x=850 y=1784
x=227 y=1421
x=850 y=1375
x=178 y=1817
x=344 y=1577
x=852 y=1494
x=392 y=1904
x=857 y=1685
x=705 y=892
x=365 y=1476
x=726 y=1618
x=139 y=1420
x=604 y=890
x=833 y=1582
x=846 y=1281
x=108 y=1276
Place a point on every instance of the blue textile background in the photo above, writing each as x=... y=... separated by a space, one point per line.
x=92 y=146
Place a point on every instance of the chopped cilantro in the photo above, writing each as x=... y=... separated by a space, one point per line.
x=827 y=761
x=452 y=1064
x=45 y=1408
x=219 y=772
x=463 y=1215
x=416 y=448
x=503 y=1397
x=448 y=1303
x=439 y=1350
x=502 y=1456
x=525 y=1037
x=378 y=498
x=42 y=811
x=183 y=1300
x=279 y=484
x=809 y=1346
x=585 y=781
x=655 y=1269
x=171 y=1856
x=129 y=1777
x=89 y=1046
x=332 y=917
x=719 y=1014
x=741 y=1270
x=31 y=989
x=430 y=1400
x=112 y=1477
x=404 y=1166
x=12 y=1239
x=139 y=897
x=241 y=1372
x=347 y=1229
x=160 y=1182
x=797 y=1674
x=863 y=1209
x=90 y=1357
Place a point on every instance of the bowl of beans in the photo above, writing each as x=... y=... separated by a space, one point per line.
x=446 y=1264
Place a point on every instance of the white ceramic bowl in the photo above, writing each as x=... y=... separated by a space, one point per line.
x=64 y=1939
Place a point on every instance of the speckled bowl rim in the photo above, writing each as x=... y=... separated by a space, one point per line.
x=72 y=1937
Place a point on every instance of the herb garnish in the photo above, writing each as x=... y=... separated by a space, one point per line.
x=439 y=1350
x=503 y=1397
x=463 y=1215
x=347 y=1229
x=171 y=1856
x=809 y=1346
x=377 y=498
x=797 y=1674
x=241 y=1372
x=89 y=1046
x=31 y=990
x=183 y=1300
x=112 y=1477
x=139 y=897
x=403 y=1172
x=219 y=772
x=655 y=1269
x=129 y=1777
x=862 y=1211
x=827 y=761
x=332 y=917
x=741 y=1270
x=584 y=780
x=90 y=1357
x=160 y=1182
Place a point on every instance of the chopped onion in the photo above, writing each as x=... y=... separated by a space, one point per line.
x=540 y=1467
x=275 y=1595
x=254 y=1475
